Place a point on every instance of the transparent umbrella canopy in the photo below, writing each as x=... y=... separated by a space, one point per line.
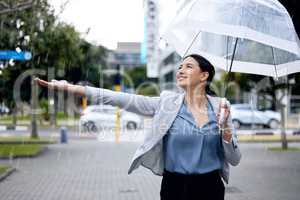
x=247 y=36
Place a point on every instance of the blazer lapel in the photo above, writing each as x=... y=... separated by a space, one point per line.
x=168 y=117
x=215 y=103
x=178 y=101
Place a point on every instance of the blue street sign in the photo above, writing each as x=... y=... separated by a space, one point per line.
x=7 y=55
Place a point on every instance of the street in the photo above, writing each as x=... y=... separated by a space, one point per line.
x=91 y=169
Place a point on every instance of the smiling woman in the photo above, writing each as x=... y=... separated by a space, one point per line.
x=187 y=142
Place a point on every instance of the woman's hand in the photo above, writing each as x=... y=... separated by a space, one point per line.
x=54 y=84
x=227 y=134
x=61 y=86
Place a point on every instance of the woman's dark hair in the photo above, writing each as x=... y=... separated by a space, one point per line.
x=205 y=66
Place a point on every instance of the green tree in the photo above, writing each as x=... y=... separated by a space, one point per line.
x=53 y=44
x=137 y=75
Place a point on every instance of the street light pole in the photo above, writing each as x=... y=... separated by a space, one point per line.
x=34 y=100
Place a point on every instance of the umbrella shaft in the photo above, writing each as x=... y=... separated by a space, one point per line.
x=230 y=67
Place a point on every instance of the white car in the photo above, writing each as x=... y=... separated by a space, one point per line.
x=98 y=118
x=244 y=114
x=3 y=110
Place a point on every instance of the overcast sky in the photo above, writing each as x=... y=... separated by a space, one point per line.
x=111 y=21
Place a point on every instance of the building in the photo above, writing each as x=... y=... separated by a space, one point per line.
x=150 y=47
x=127 y=55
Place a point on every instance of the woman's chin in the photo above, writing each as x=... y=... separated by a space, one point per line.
x=182 y=85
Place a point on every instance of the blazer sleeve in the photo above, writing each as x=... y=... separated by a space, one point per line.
x=138 y=104
x=231 y=149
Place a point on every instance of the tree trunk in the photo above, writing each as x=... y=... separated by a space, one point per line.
x=277 y=104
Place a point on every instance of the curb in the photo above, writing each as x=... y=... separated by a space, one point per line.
x=266 y=141
x=7 y=173
x=29 y=142
x=13 y=128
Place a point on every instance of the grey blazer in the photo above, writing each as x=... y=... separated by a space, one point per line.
x=163 y=109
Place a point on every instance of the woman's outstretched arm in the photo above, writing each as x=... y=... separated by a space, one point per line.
x=62 y=86
x=139 y=104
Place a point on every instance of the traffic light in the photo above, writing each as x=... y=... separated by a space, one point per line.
x=117 y=77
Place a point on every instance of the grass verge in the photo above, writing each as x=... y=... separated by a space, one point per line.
x=26 y=140
x=267 y=138
x=279 y=149
x=3 y=169
x=20 y=150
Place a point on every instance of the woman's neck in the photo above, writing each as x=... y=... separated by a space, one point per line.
x=196 y=97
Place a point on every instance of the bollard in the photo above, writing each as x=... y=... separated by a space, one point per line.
x=63 y=135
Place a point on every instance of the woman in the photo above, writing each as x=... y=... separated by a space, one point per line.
x=185 y=144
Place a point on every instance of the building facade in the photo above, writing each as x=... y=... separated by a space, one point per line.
x=127 y=55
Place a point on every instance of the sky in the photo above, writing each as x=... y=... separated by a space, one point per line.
x=109 y=21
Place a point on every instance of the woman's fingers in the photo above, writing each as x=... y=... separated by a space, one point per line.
x=42 y=82
x=60 y=85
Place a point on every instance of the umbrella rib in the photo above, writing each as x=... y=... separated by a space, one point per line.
x=274 y=62
x=179 y=11
x=234 y=50
x=227 y=52
x=187 y=50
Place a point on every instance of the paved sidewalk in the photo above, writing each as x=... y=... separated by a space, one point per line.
x=90 y=170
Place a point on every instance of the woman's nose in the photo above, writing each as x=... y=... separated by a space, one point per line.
x=180 y=70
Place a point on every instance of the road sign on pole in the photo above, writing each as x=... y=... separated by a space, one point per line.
x=22 y=56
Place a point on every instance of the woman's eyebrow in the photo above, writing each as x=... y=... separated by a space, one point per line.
x=189 y=64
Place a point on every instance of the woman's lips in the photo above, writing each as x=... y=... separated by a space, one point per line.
x=181 y=77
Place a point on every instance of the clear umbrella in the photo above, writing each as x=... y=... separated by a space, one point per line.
x=247 y=36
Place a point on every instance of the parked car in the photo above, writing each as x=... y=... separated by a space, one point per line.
x=96 y=118
x=4 y=110
x=244 y=114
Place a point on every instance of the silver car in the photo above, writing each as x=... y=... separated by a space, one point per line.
x=244 y=114
x=98 y=118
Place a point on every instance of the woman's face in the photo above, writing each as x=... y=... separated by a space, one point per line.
x=190 y=75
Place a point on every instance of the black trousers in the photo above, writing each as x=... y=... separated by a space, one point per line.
x=176 y=186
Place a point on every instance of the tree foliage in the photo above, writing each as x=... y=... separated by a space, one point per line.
x=53 y=44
